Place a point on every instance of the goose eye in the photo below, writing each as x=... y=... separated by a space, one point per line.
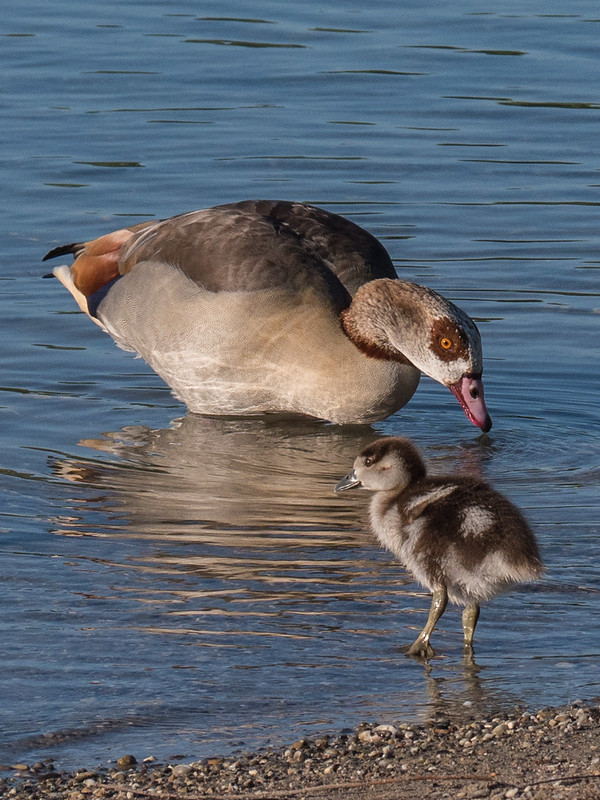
x=445 y=343
x=368 y=462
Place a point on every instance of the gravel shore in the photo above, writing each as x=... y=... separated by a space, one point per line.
x=552 y=753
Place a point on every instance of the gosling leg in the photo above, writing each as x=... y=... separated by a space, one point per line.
x=421 y=647
x=470 y=616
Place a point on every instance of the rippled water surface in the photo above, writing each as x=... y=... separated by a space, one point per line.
x=178 y=585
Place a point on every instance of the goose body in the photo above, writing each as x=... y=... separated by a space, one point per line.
x=261 y=306
x=457 y=536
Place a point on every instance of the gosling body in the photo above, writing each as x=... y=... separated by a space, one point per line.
x=458 y=537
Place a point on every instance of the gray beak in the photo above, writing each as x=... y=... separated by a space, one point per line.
x=349 y=482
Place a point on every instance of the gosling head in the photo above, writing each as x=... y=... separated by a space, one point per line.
x=390 y=464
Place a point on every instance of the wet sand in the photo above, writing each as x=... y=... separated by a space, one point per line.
x=551 y=753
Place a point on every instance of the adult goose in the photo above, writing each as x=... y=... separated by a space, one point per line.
x=274 y=306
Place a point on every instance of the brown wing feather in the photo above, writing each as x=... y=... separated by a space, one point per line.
x=260 y=244
x=353 y=255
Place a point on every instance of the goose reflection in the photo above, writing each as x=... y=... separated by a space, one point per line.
x=221 y=484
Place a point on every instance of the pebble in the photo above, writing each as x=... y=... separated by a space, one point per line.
x=392 y=729
x=85 y=775
x=368 y=736
x=181 y=770
x=126 y=762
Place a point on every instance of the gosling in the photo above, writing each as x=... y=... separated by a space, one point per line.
x=459 y=538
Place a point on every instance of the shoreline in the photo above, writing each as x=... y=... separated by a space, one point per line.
x=550 y=753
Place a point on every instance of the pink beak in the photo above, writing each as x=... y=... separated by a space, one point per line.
x=469 y=393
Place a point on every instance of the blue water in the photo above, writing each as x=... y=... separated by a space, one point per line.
x=178 y=585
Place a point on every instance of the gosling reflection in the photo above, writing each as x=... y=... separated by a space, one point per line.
x=457 y=691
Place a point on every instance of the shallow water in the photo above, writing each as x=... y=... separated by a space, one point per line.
x=180 y=585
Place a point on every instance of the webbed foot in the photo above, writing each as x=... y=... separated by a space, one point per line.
x=421 y=649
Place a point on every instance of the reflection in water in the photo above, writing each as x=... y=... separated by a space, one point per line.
x=260 y=476
x=219 y=480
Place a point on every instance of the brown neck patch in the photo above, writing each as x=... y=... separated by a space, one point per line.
x=374 y=349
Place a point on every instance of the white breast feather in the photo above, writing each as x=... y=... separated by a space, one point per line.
x=246 y=353
x=401 y=539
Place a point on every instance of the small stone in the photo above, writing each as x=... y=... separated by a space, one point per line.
x=181 y=770
x=392 y=729
x=511 y=792
x=301 y=744
x=367 y=736
x=85 y=775
x=20 y=767
x=126 y=762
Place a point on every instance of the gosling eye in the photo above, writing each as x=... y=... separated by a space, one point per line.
x=368 y=462
x=445 y=343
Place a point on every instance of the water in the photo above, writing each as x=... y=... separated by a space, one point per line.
x=178 y=585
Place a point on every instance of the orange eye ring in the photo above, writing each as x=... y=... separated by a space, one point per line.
x=445 y=343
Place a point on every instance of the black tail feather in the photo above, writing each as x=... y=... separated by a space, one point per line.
x=64 y=249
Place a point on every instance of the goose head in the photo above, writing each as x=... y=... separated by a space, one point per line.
x=402 y=321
